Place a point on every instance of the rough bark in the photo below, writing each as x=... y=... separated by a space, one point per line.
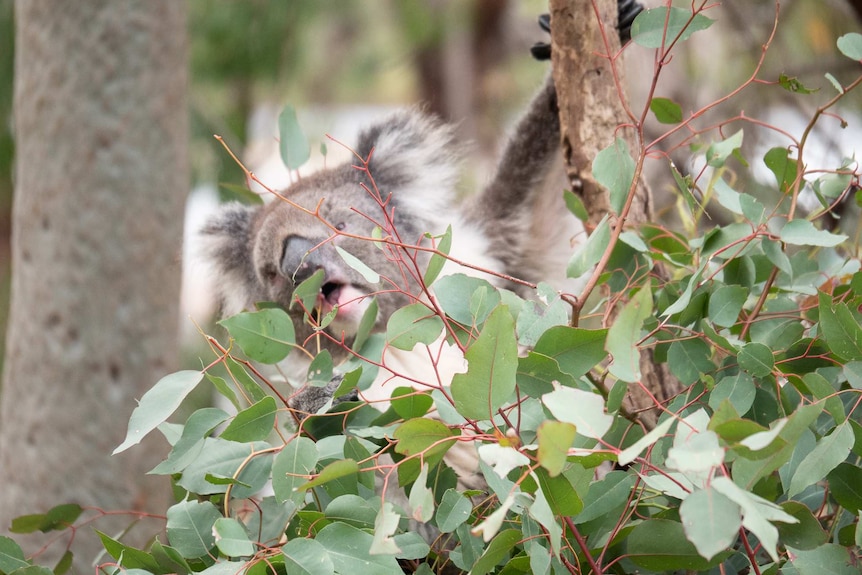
x=101 y=129
x=590 y=112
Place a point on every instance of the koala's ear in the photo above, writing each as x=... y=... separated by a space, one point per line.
x=228 y=250
x=416 y=158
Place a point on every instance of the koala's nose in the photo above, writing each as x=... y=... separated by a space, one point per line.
x=299 y=259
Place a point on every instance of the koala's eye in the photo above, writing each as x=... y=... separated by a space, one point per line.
x=340 y=226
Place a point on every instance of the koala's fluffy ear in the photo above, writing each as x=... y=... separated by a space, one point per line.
x=227 y=247
x=416 y=157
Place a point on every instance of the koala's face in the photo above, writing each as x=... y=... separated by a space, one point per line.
x=264 y=253
x=289 y=245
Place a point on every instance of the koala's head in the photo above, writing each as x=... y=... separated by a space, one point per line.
x=263 y=253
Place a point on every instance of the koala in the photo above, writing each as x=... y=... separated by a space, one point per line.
x=515 y=232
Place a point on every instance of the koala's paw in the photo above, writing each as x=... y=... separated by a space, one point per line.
x=311 y=400
x=627 y=11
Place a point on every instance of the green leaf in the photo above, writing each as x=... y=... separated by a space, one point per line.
x=409 y=403
x=661 y=545
x=784 y=167
x=435 y=265
x=129 y=557
x=228 y=463
x=306 y=557
x=293 y=145
x=499 y=548
x=718 y=152
x=827 y=455
x=348 y=549
x=807 y=533
x=793 y=85
x=266 y=336
x=158 y=404
x=541 y=511
x=606 y=496
x=358 y=265
x=11 y=556
x=555 y=439
x=231 y=538
x=190 y=527
x=688 y=359
x=190 y=444
x=237 y=193
x=842 y=332
x=828 y=559
x=614 y=169
x=412 y=325
x=803 y=233
x=845 y=485
x=251 y=389
x=421 y=499
x=756 y=359
x=583 y=409
x=385 y=525
x=353 y=510
x=291 y=468
x=624 y=335
x=57 y=518
x=666 y=111
x=333 y=471
x=492 y=362
x=451 y=292
x=725 y=303
x=427 y=436
x=453 y=510
x=306 y=292
x=575 y=350
x=560 y=492
x=851 y=45
x=648 y=29
x=590 y=252
x=739 y=389
x=252 y=424
x=575 y=205
x=710 y=520
x=629 y=454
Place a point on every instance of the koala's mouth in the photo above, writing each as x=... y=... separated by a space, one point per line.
x=330 y=292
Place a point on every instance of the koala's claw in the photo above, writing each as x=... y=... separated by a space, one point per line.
x=627 y=11
x=311 y=400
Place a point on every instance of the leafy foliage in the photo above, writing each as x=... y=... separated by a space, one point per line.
x=752 y=467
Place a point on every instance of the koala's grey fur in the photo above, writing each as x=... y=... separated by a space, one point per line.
x=517 y=225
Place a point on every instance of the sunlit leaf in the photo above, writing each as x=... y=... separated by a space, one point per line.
x=412 y=325
x=648 y=29
x=492 y=362
x=158 y=404
x=625 y=333
x=710 y=520
x=190 y=527
x=829 y=452
x=614 y=168
x=293 y=144
x=851 y=45
x=803 y=233
x=231 y=538
x=583 y=409
x=266 y=336
x=555 y=439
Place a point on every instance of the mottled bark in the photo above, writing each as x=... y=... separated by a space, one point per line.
x=590 y=113
x=101 y=130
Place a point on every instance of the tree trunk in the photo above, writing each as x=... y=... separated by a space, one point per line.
x=101 y=126
x=591 y=109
